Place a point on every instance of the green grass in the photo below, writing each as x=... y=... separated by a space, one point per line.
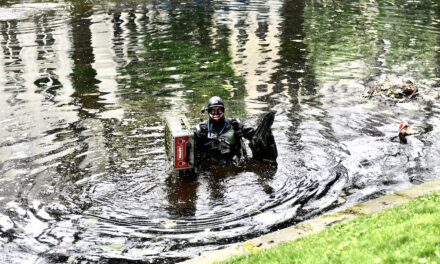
x=409 y=233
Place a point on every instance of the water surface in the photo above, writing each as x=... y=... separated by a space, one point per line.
x=84 y=87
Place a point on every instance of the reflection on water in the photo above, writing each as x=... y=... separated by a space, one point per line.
x=84 y=86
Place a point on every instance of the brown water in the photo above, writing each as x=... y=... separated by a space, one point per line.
x=84 y=87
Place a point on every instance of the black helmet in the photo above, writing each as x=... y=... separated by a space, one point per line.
x=216 y=101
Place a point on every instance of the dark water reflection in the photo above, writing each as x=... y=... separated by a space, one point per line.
x=84 y=86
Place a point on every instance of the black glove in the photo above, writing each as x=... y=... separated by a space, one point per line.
x=203 y=131
x=235 y=125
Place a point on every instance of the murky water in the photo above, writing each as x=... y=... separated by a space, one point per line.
x=84 y=86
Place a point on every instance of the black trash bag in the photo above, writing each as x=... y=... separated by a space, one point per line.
x=262 y=143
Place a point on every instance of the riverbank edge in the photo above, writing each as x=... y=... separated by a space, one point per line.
x=319 y=223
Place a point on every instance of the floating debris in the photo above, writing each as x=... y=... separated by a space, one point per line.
x=116 y=247
x=397 y=90
x=413 y=179
x=169 y=224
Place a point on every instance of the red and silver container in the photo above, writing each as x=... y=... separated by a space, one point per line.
x=179 y=142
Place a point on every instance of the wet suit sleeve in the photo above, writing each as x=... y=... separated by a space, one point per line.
x=248 y=132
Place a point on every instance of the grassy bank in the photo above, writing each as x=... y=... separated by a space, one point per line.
x=409 y=233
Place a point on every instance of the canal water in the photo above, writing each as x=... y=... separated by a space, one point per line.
x=85 y=85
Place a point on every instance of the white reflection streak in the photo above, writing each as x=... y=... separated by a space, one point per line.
x=252 y=56
x=125 y=16
x=30 y=115
x=4 y=110
x=273 y=39
x=105 y=66
x=256 y=63
x=138 y=26
x=260 y=73
x=62 y=48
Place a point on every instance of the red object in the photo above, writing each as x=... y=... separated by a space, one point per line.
x=180 y=152
x=179 y=142
x=402 y=131
x=403 y=125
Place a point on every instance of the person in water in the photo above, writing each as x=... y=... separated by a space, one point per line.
x=219 y=139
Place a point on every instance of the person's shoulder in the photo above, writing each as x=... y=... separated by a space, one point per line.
x=234 y=120
x=229 y=121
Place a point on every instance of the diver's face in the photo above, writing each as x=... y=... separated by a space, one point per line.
x=216 y=113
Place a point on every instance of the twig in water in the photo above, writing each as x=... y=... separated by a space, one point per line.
x=411 y=179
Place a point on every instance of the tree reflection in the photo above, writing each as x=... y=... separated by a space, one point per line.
x=187 y=52
x=84 y=75
x=293 y=63
x=86 y=97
